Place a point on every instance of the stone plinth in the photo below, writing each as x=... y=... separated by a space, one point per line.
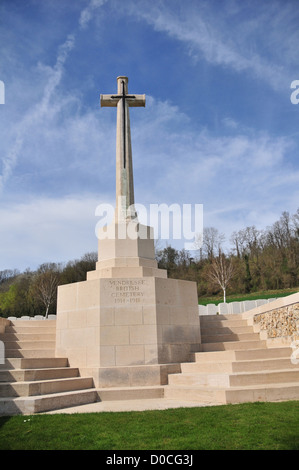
x=127 y=323
x=122 y=322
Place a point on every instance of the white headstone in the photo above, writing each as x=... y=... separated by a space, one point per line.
x=202 y=310
x=261 y=302
x=248 y=305
x=223 y=308
x=235 y=307
x=212 y=309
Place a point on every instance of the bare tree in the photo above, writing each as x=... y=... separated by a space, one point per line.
x=209 y=242
x=45 y=288
x=220 y=272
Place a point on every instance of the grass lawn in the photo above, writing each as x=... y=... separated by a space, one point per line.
x=251 y=426
x=216 y=299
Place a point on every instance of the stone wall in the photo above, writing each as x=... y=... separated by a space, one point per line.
x=3 y=323
x=280 y=322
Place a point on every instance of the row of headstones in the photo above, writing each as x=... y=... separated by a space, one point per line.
x=232 y=307
x=36 y=317
x=210 y=309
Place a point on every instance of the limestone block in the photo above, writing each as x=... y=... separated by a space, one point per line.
x=108 y=323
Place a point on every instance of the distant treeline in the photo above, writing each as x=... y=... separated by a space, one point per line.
x=256 y=260
x=35 y=292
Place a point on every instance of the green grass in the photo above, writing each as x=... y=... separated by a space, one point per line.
x=216 y=299
x=250 y=426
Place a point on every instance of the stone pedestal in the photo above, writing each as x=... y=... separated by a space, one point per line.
x=127 y=324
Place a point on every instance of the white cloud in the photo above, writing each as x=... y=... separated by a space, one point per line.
x=226 y=36
x=35 y=114
x=47 y=106
x=88 y=12
x=47 y=229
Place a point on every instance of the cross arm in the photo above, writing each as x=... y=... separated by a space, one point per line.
x=112 y=100
x=139 y=100
x=108 y=101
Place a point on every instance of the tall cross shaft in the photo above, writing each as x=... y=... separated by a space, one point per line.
x=124 y=166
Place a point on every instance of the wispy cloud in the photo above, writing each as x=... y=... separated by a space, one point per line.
x=227 y=39
x=46 y=106
x=39 y=221
x=88 y=12
x=34 y=115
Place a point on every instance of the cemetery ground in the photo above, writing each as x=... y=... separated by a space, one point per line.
x=248 y=426
x=266 y=294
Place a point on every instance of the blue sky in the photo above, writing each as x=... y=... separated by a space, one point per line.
x=218 y=129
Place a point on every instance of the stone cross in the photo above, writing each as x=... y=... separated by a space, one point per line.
x=124 y=167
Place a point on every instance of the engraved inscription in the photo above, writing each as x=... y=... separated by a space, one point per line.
x=126 y=291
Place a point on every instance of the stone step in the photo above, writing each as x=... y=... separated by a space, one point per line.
x=202 y=395
x=212 y=356
x=233 y=345
x=130 y=393
x=197 y=379
x=265 y=377
x=223 y=323
x=12 y=406
x=213 y=395
x=207 y=367
x=238 y=366
x=230 y=317
x=215 y=330
x=29 y=353
x=23 y=389
x=222 y=320
x=267 y=392
x=29 y=344
x=262 y=353
x=34 y=363
x=25 y=375
x=34 y=323
x=217 y=338
x=12 y=330
x=241 y=355
x=235 y=379
x=11 y=337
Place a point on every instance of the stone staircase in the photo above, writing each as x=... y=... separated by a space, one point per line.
x=235 y=366
x=32 y=379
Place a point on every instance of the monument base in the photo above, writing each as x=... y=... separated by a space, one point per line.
x=127 y=315
x=114 y=324
x=131 y=376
